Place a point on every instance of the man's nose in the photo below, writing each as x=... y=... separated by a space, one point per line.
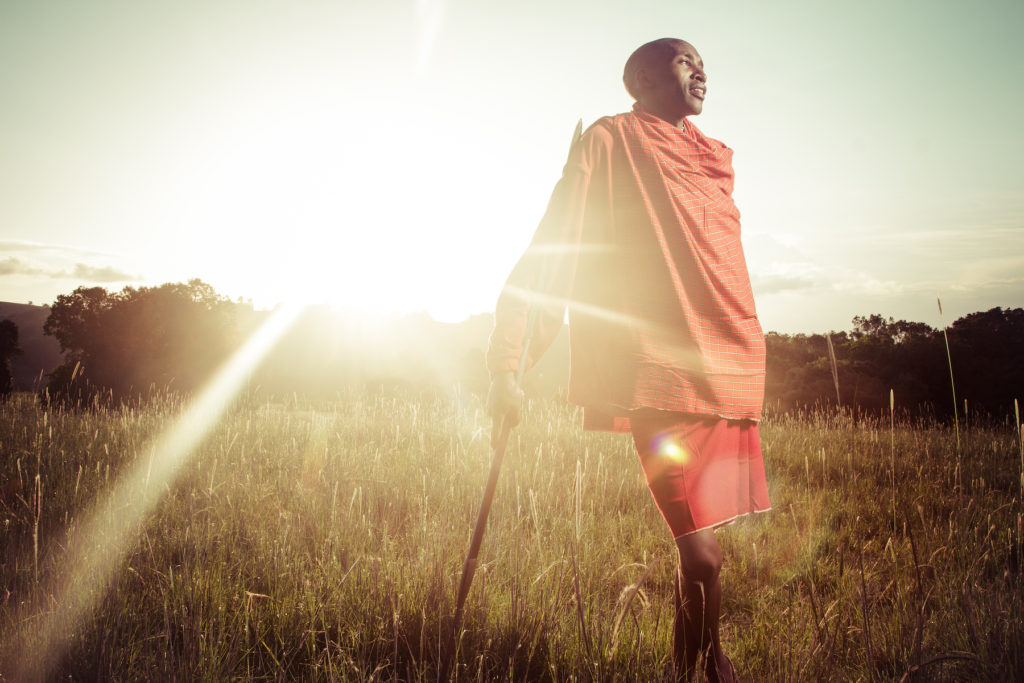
x=700 y=75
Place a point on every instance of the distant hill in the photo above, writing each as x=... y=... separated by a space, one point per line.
x=41 y=353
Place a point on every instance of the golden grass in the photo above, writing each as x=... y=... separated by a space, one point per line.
x=324 y=541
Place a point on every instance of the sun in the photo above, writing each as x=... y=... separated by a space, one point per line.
x=377 y=230
x=358 y=213
x=374 y=205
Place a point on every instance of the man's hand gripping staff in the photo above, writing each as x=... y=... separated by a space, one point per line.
x=504 y=403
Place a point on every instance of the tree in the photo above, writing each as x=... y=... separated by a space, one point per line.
x=74 y=318
x=8 y=348
x=139 y=340
x=987 y=360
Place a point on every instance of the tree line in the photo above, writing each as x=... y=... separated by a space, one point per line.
x=143 y=341
x=911 y=359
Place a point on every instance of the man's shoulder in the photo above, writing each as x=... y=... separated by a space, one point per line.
x=596 y=148
x=607 y=125
x=603 y=132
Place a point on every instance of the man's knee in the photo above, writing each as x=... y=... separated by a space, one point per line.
x=700 y=558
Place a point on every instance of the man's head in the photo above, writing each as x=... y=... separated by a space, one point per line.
x=666 y=76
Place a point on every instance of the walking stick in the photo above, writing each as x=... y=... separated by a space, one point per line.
x=469 y=567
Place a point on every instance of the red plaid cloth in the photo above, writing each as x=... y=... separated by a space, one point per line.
x=641 y=241
x=703 y=472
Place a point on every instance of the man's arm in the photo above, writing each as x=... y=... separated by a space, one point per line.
x=540 y=284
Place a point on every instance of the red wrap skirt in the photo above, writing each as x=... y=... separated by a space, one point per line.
x=703 y=471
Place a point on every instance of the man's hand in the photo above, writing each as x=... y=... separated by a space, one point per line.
x=504 y=403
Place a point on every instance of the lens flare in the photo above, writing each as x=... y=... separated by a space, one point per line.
x=673 y=451
x=429 y=15
x=95 y=553
x=670 y=348
x=555 y=302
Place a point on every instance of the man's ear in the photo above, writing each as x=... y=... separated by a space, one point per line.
x=643 y=80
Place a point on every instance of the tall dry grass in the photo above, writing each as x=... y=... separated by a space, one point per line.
x=323 y=541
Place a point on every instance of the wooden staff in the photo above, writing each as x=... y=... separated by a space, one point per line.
x=504 y=429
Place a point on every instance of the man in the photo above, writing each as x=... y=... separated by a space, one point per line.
x=641 y=241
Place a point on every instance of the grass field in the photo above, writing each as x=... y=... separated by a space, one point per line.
x=308 y=540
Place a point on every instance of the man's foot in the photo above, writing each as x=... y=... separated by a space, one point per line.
x=725 y=672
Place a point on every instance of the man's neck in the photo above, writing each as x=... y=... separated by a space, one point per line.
x=665 y=114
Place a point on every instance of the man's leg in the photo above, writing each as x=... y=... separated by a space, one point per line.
x=698 y=604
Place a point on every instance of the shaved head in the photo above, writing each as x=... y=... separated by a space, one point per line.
x=648 y=56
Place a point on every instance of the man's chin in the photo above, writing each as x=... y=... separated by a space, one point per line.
x=695 y=106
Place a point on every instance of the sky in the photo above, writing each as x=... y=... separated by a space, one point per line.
x=396 y=156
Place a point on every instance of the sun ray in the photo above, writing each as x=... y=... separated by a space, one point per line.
x=670 y=343
x=429 y=14
x=96 y=552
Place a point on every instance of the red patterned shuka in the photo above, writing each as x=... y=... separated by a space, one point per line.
x=641 y=240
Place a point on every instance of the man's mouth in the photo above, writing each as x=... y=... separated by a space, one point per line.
x=698 y=91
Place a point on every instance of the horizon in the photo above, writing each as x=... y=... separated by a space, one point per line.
x=362 y=314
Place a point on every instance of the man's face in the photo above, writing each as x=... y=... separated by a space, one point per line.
x=678 y=81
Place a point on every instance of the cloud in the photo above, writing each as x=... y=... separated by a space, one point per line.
x=12 y=266
x=859 y=282
x=25 y=246
x=101 y=274
x=15 y=266
x=1008 y=285
x=776 y=283
x=848 y=281
x=59 y=262
x=778 y=264
x=774 y=247
x=993 y=233
x=782 y=276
